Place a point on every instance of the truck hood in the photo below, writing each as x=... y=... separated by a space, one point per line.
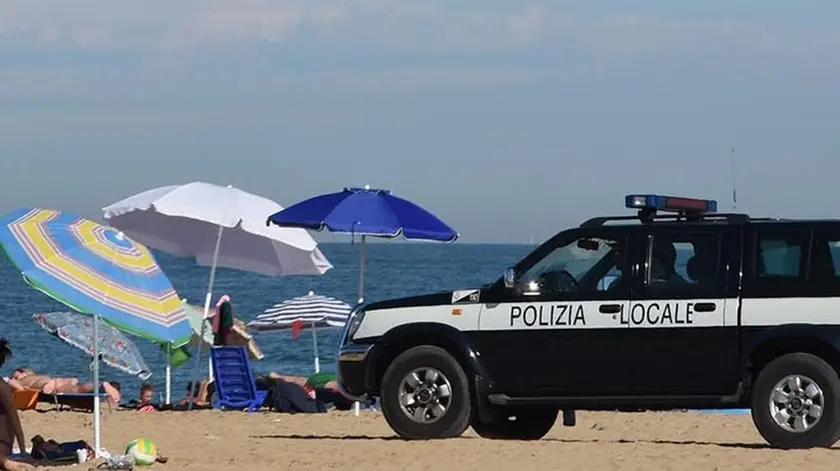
x=442 y=298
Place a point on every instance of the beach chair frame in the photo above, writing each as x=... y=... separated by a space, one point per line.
x=234 y=383
x=60 y=406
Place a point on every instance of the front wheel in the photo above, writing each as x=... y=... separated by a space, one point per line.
x=425 y=394
x=796 y=402
x=531 y=423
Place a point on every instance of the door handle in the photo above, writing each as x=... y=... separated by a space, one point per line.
x=705 y=307
x=609 y=308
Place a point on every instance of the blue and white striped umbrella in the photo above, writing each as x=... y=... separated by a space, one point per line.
x=310 y=311
x=306 y=312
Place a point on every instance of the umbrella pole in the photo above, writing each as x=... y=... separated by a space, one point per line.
x=168 y=372
x=356 y=405
x=315 y=348
x=96 y=421
x=207 y=312
x=362 y=270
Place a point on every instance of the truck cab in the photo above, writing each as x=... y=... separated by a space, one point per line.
x=674 y=307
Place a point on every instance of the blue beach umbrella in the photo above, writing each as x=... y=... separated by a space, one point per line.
x=365 y=212
x=96 y=270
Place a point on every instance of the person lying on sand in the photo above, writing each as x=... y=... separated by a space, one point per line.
x=322 y=380
x=10 y=426
x=26 y=378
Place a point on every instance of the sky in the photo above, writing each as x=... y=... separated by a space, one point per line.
x=509 y=120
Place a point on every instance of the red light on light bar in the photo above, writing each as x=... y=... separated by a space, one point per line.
x=686 y=203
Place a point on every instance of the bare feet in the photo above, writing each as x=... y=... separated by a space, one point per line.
x=10 y=465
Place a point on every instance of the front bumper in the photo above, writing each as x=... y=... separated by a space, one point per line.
x=352 y=361
x=352 y=371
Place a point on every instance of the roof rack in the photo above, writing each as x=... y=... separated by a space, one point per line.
x=680 y=209
x=729 y=218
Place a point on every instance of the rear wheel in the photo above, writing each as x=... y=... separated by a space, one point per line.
x=526 y=423
x=425 y=394
x=796 y=402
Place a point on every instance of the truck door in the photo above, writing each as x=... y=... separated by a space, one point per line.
x=683 y=311
x=565 y=336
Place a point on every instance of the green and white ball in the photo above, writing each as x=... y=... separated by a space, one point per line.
x=143 y=451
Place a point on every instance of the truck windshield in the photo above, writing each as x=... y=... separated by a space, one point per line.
x=577 y=258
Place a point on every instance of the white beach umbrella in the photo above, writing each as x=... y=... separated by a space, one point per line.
x=312 y=311
x=220 y=227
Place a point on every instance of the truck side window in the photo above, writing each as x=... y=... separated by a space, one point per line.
x=777 y=264
x=779 y=255
x=683 y=264
x=824 y=266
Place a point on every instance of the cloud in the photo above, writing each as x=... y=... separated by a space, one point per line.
x=488 y=26
x=85 y=48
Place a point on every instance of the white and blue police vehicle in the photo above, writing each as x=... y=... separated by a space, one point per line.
x=674 y=307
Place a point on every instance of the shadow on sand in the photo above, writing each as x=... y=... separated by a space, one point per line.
x=746 y=446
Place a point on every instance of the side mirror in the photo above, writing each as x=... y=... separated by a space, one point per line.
x=510 y=278
x=531 y=288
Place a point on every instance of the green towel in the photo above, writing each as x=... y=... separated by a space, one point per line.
x=177 y=356
x=320 y=380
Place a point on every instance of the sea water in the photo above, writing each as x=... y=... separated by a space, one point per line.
x=392 y=270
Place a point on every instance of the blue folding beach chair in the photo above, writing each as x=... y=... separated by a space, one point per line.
x=233 y=380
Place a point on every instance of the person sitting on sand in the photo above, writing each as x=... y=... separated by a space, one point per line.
x=144 y=402
x=147 y=394
x=198 y=395
x=26 y=378
x=10 y=426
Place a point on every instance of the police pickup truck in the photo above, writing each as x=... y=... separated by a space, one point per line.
x=675 y=307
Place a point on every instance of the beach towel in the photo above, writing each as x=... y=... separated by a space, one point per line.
x=292 y=399
x=222 y=321
x=50 y=450
x=320 y=380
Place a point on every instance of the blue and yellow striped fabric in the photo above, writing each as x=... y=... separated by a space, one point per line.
x=95 y=269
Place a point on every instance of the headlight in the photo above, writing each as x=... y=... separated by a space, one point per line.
x=354 y=320
x=355 y=323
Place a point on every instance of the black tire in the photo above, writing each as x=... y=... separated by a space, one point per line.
x=826 y=431
x=454 y=420
x=528 y=423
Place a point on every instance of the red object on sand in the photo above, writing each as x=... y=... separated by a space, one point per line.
x=296 y=327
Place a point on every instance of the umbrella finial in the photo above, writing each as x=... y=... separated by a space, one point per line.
x=120 y=235
x=311 y=293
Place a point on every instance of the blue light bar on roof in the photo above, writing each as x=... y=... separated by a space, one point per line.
x=670 y=203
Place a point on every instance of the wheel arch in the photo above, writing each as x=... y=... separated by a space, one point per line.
x=777 y=341
x=401 y=338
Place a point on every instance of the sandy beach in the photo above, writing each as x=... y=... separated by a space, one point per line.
x=213 y=440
